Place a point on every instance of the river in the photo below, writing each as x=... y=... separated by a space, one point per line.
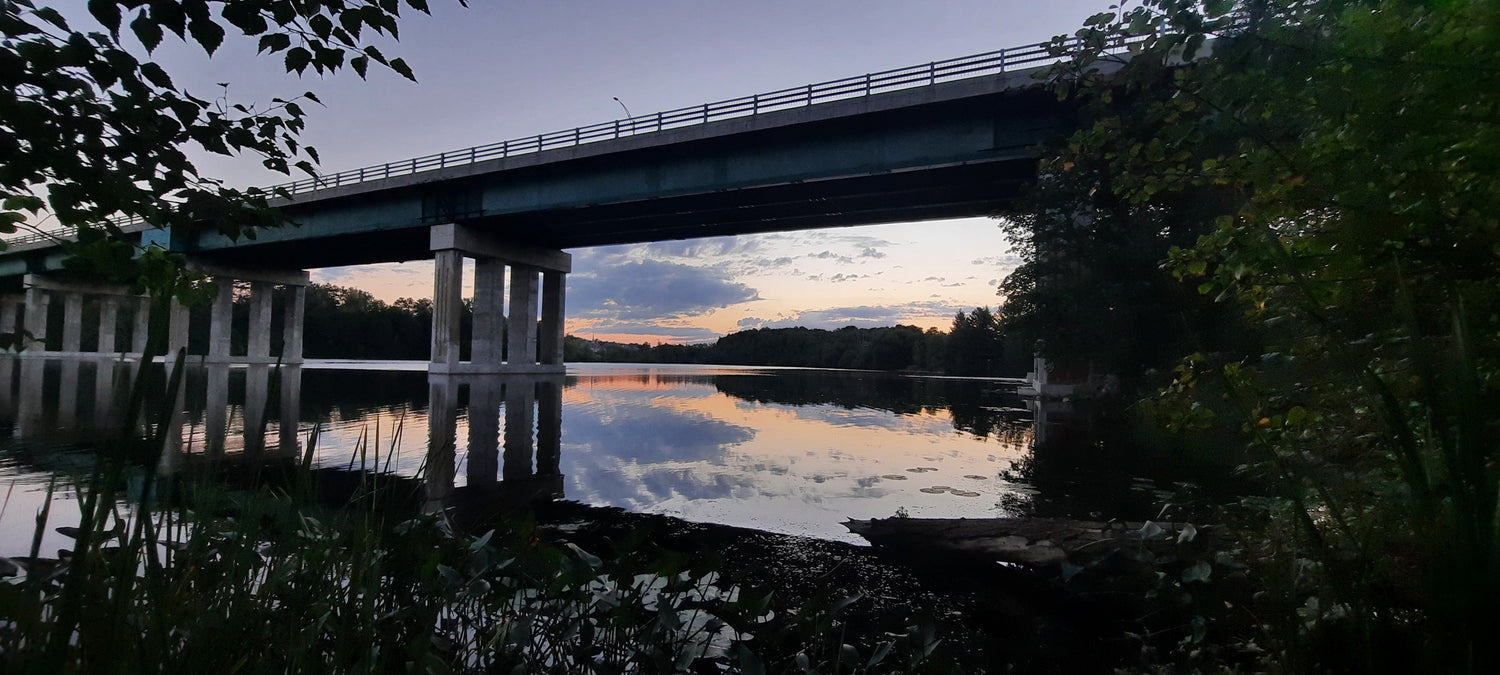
x=792 y=451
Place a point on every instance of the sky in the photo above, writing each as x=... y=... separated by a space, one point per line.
x=510 y=68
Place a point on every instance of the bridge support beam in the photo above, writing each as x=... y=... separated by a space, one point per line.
x=263 y=291
x=537 y=279
x=75 y=299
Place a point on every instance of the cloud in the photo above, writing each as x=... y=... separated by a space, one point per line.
x=830 y=255
x=675 y=333
x=863 y=316
x=1009 y=260
x=871 y=252
x=651 y=289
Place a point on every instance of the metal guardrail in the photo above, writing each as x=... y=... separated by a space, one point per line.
x=911 y=77
x=851 y=87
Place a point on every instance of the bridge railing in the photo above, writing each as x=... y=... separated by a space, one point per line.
x=998 y=61
x=911 y=77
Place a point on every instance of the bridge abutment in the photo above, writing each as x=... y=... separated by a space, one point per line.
x=537 y=277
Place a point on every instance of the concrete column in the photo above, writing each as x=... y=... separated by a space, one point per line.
x=107 y=394
x=141 y=326
x=292 y=325
x=72 y=337
x=257 y=394
x=216 y=410
x=521 y=343
x=520 y=416
x=31 y=411
x=484 y=431
x=37 y=303
x=260 y=322
x=67 y=393
x=290 y=416
x=7 y=390
x=549 y=426
x=551 y=340
x=109 y=311
x=221 y=321
x=9 y=307
x=489 y=310
x=170 y=434
x=177 y=329
x=447 y=307
x=442 y=423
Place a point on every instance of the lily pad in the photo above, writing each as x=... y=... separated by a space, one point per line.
x=894 y=476
x=975 y=476
x=963 y=493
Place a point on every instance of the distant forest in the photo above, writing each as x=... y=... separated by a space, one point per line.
x=349 y=323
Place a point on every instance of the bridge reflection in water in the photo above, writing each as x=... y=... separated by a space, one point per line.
x=254 y=413
x=531 y=409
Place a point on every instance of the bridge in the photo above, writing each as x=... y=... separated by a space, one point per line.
x=946 y=139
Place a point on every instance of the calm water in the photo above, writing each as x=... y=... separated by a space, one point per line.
x=784 y=450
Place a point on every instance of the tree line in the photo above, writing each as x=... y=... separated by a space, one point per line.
x=973 y=346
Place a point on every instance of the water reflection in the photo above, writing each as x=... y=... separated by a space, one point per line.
x=513 y=461
x=781 y=450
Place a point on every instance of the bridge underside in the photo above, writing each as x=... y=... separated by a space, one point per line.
x=968 y=190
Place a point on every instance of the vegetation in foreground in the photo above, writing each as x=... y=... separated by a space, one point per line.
x=266 y=580
x=1299 y=198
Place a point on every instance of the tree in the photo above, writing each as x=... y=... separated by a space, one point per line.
x=91 y=135
x=975 y=345
x=1338 y=161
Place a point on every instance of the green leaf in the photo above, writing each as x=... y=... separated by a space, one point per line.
x=400 y=66
x=208 y=34
x=107 y=13
x=274 y=42
x=51 y=16
x=375 y=54
x=155 y=75
x=321 y=25
x=360 y=64
x=352 y=21
x=1199 y=572
x=588 y=558
x=297 y=59
x=147 y=31
x=171 y=16
x=1296 y=416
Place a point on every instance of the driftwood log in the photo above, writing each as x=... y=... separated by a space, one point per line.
x=1036 y=542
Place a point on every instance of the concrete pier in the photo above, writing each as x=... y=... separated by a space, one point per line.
x=520 y=343
x=74 y=297
x=37 y=302
x=537 y=277
x=263 y=285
